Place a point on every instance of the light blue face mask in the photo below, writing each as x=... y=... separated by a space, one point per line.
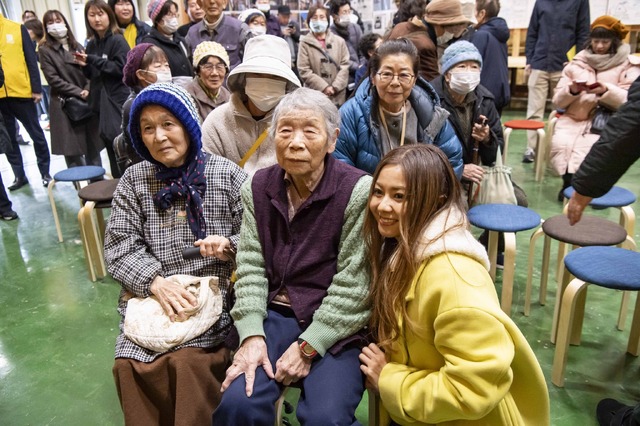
x=318 y=26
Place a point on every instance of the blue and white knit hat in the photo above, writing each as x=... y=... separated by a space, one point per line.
x=179 y=103
x=459 y=51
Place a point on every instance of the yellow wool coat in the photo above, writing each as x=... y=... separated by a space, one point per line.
x=469 y=364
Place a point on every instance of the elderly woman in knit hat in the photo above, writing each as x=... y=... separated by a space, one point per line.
x=238 y=129
x=471 y=106
x=448 y=22
x=178 y=197
x=598 y=77
x=211 y=64
x=164 y=15
x=146 y=64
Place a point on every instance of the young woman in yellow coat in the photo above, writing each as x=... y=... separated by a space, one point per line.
x=446 y=354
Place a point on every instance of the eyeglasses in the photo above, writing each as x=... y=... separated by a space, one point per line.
x=387 y=77
x=220 y=68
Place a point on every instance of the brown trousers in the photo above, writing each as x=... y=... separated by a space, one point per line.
x=178 y=388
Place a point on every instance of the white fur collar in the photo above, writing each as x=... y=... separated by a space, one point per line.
x=448 y=232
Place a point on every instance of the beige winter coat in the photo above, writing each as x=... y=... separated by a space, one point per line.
x=317 y=72
x=230 y=131
x=572 y=139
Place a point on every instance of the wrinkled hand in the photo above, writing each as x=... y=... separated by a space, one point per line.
x=292 y=365
x=373 y=361
x=329 y=91
x=214 y=246
x=173 y=298
x=251 y=354
x=473 y=172
x=84 y=94
x=480 y=132
x=37 y=97
x=599 y=90
x=577 y=204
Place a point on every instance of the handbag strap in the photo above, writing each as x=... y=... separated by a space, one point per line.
x=254 y=147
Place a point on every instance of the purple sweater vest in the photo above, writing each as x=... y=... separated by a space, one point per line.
x=302 y=254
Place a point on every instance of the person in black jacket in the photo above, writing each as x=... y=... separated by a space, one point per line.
x=473 y=113
x=105 y=56
x=164 y=15
x=490 y=37
x=6 y=212
x=610 y=157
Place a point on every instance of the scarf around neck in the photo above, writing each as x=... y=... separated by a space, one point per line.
x=188 y=182
x=606 y=61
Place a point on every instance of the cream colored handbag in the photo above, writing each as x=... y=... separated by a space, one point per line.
x=496 y=186
x=147 y=325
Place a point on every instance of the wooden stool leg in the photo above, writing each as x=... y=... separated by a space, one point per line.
x=562 y=252
x=94 y=240
x=507 y=274
x=544 y=273
x=54 y=209
x=532 y=249
x=566 y=278
x=506 y=133
x=374 y=408
x=578 y=316
x=85 y=245
x=571 y=295
x=280 y=407
x=493 y=253
x=624 y=306
x=628 y=220
x=634 y=337
x=540 y=155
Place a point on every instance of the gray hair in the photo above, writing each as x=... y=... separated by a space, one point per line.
x=307 y=99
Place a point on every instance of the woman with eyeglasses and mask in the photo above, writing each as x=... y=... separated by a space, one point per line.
x=323 y=57
x=76 y=141
x=392 y=107
x=164 y=15
x=211 y=62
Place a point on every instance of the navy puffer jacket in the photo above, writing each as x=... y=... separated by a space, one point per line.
x=359 y=140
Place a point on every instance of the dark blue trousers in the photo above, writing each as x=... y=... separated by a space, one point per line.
x=329 y=395
x=25 y=111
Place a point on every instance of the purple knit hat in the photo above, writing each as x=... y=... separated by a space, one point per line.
x=154 y=7
x=134 y=58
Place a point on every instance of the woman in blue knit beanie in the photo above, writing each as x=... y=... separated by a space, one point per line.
x=178 y=198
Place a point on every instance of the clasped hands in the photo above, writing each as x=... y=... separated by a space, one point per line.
x=177 y=301
x=290 y=367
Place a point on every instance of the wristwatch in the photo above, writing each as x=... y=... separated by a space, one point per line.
x=306 y=349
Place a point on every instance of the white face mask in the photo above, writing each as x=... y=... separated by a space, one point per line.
x=171 y=25
x=464 y=82
x=318 y=26
x=258 y=30
x=161 y=76
x=264 y=7
x=57 y=30
x=343 y=20
x=444 y=38
x=265 y=93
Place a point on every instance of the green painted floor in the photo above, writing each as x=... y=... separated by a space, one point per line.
x=57 y=329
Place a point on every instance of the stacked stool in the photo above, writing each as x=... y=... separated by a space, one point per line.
x=607 y=267
x=619 y=198
x=538 y=127
x=75 y=175
x=508 y=219
x=590 y=231
x=95 y=197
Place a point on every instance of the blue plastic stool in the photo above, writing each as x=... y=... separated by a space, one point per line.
x=617 y=197
x=73 y=174
x=508 y=219
x=608 y=267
